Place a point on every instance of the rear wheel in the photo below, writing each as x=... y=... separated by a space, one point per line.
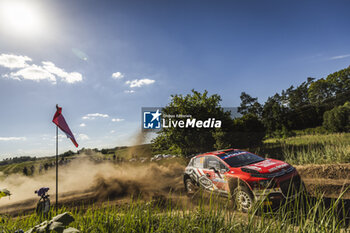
x=243 y=198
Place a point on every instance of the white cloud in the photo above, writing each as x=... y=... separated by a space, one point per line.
x=66 y=77
x=52 y=138
x=13 y=61
x=129 y=91
x=340 y=57
x=13 y=138
x=92 y=116
x=46 y=71
x=139 y=82
x=112 y=131
x=117 y=119
x=83 y=137
x=33 y=72
x=82 y=125
x=117 y=75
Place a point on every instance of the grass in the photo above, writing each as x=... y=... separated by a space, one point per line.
x=308 y=149
x=306 y=214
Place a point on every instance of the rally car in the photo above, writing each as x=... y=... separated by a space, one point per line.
x=244 y=176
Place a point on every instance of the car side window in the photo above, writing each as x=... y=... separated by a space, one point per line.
x=211 y=161
x=199 y=162
x=190 y=164
x=222 y=166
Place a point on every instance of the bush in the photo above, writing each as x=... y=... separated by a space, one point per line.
x=337 y=119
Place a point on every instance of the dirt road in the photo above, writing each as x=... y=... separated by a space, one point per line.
x=331 y=180
x=106 y=182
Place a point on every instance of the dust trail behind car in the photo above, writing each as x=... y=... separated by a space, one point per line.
x=102 y=181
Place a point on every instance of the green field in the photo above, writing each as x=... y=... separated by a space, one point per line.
x=308 y=149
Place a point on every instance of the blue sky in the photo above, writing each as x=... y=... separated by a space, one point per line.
x=66 y=52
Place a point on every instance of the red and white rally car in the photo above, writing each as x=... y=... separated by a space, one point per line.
x=244 y=176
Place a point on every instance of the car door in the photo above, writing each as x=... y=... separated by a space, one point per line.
x=215 y=171
x=202 y=175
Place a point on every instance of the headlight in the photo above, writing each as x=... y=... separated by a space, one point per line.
x=251 y=171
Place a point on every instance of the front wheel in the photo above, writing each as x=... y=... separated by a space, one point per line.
x=190 y=187
x=43 y=207
x=243 y=198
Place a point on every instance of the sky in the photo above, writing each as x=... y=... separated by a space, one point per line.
x=102 y=61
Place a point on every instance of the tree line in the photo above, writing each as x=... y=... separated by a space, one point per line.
x=321 y=103
x=313 y=103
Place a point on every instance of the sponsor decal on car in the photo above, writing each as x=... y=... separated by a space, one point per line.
x=278 y=167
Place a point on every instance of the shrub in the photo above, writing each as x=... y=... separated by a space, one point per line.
x=337 y=119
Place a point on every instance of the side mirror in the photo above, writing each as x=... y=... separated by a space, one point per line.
x=222 y=171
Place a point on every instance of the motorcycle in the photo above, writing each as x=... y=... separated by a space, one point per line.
x=43 y=206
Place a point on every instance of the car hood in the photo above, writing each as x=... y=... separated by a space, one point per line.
x=268 y=166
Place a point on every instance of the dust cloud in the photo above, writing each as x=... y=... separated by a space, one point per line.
x=103 y=180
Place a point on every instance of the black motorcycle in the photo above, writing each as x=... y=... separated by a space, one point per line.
x=43 y=206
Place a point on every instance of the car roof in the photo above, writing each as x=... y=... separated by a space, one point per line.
x=217 y=153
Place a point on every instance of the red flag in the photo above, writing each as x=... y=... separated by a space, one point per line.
x=59 y=120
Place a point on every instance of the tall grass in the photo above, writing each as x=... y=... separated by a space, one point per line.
x=309 y=149
x=305 y=214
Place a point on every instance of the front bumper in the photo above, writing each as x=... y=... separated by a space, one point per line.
x=270 y=194
x=285 y=189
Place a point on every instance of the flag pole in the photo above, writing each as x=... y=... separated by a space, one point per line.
x=56 y=169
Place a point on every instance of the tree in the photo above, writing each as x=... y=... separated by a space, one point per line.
x=300 y=112
x=187 y=141
x=295 y=98
x=339 y=81
x=239 y=133
x=320 y=91
x=249 y=105
x=337 y=119
x=336 y=88
x=274 y=114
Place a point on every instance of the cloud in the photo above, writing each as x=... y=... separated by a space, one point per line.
x=92 y=116
x=46 y=71
x=117 y=75
x=139 y=82
x=83 y=137
x=51 y=138
x=13 y=61
x=340 y=57
x=82 y=125
x=66 y=77
x=112 y=131
x=34 y=73
x=13 y=138
x=129 y=91
x=117 y=119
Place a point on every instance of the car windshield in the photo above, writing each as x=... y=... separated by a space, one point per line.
x=241 y=158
